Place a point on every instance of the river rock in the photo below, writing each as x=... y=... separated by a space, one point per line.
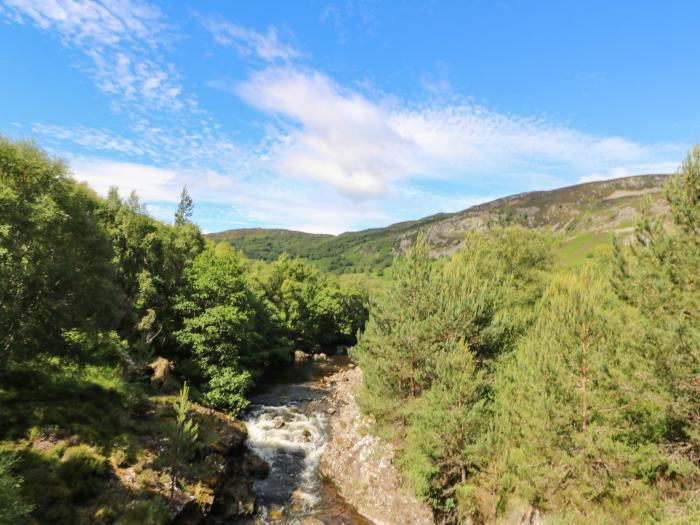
x=300 y=356
x=320 y=357
x=254 y=466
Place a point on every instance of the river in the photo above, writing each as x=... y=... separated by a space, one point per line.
x=288 y=427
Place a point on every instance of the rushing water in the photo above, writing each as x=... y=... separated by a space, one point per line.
x=287 y=427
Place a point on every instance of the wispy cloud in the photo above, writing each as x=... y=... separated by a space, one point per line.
x=123 y=40
x=250 y=43
x=362 y=147
x=438 y=81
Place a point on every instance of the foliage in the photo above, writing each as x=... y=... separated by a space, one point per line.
x=13 y=509
x=82 y=468
x=444 y=445
x=520 y=376
x=313 y=308
x=659 y=275
x=183 y=439
x=55 y=259
x=224 y=326
x=184 y=208
x=482 y=297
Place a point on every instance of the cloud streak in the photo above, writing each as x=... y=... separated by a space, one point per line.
x=124 y=41
x=363 y=147
x=250 y=43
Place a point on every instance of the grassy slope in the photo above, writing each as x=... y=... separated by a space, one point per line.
x=595 y=209
x=87 y=444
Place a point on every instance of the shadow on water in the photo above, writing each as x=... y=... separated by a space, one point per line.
x=287 y=427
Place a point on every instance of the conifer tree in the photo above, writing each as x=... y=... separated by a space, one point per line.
x=659 y=273
x=184 y=208
x=183 y=439
x=572 y=401
x=444 y=446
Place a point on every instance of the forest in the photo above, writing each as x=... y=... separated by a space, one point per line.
x=92 y=290
x=517 y=388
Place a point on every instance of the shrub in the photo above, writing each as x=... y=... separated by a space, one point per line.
x=81 y=469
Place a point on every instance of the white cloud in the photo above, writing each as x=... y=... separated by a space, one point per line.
x=248 y=42
x=149 y=182
x=107 y=22
x=94 y=139
x=123 y=40
x=342 y=139
x=363 y=147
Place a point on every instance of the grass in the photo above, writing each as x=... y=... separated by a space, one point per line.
x=87 y=445
x=575 y=251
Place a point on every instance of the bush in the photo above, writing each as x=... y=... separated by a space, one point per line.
x=13 y=509
x=82 y=469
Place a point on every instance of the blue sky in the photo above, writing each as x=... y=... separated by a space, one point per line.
x=334 y=116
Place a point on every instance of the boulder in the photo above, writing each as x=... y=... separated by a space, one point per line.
x=320 y=357
x=255 y=467
x=300 y=356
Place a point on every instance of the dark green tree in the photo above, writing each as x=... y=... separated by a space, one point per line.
x=225 y=327
x=56 y=271
x=445 y=442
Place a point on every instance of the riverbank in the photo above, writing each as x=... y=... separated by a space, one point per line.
x=361 y=465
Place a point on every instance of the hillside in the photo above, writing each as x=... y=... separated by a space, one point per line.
x=587 y=212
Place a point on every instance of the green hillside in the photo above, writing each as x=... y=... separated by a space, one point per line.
x=585 y=214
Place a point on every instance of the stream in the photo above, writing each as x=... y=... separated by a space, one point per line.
x=287 y=427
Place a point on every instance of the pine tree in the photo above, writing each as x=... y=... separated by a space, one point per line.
x=444 y=446
x=184 y=208
x=183 y=440
x=658 y=273
x=575 y=402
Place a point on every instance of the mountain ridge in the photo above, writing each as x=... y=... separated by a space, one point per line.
x=590 y=207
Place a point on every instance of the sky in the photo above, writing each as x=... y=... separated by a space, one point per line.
x=327 y=116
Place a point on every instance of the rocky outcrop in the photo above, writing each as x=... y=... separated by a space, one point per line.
x=362 y=465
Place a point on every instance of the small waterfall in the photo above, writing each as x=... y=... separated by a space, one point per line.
x=292 y=443
x=287 y=427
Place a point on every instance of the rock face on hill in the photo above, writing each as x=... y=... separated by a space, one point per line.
x=591 y=207
x=362 y=465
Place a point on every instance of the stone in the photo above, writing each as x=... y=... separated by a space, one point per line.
x=311 y=521
x=255 y=467
x=320 y=357
x=300 y=356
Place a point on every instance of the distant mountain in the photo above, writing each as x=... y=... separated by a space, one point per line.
x=585 y=213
